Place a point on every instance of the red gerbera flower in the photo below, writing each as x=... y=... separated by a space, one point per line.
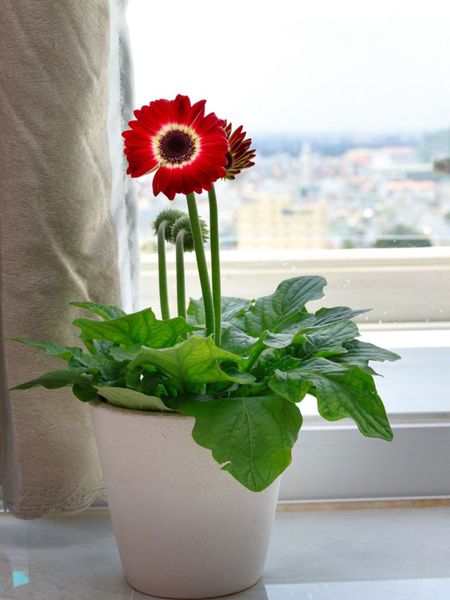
x=239 y=156
x=187 y=149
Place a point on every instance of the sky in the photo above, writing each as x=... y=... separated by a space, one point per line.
x=295 y=66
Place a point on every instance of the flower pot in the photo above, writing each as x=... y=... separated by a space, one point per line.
x=184 y=527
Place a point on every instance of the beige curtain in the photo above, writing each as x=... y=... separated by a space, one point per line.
x=67 y=228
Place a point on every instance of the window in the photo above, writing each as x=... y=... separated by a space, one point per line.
x=347 y=104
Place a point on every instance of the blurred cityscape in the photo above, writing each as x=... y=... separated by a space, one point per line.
x=329 y=191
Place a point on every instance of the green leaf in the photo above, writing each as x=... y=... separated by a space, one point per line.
x=240 y=376
x=326 y=339
x=236 y=340
x=267 y=362
x=106 y=311
x=272 y=320
x=138 y=328
x=352 y=393
x=86 y=362
x=322 y=330
x=281 y=309
x=231 y=306
x=280 y=340
x=251 y=437
x=124 y=353
x=125 y=398
x=290 y=385
x=360 y=353
x=196 y=360
x=196 y=312
x=294 y=384
x=78 y=360
x=54 y=380
x=337 y=313
x=83 y=392
x=321 y=340
x=342 y=392
x=51 y=349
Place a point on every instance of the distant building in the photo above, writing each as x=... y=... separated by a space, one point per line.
x=280 y=223
x=435 y=144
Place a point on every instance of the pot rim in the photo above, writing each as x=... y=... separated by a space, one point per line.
x=93 y=404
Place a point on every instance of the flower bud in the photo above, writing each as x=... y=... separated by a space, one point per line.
x=183 y=223
x=169 y=216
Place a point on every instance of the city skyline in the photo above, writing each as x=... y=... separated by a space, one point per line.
x=300 y=197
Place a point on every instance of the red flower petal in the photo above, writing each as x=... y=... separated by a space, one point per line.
x=239 y=155
x=188 y=149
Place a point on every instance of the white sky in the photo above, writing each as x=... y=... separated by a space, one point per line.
x=299 y=65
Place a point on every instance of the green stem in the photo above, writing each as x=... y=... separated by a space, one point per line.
x=201 y=263
x=181 y=286
x=215 y=263
x=255 y=353
x=162 y=271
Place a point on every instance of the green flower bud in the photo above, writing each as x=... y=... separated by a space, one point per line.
x=183 y=223
x=168 y=215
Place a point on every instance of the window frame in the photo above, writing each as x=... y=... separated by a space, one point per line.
x=335 y=463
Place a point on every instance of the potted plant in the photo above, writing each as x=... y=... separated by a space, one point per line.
x=195 y=415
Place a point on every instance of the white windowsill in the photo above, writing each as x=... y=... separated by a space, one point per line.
x=400 y=554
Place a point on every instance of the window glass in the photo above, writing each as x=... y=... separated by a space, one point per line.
x=347 y=103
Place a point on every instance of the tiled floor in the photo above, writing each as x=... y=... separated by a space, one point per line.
x=396 y=554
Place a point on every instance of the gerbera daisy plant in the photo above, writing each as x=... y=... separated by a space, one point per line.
x=240 y=367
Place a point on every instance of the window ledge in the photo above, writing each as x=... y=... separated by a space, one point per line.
x=380 y=279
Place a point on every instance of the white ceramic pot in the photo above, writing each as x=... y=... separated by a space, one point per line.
x=184 y=527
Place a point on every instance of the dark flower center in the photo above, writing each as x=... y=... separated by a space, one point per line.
x=176 y=146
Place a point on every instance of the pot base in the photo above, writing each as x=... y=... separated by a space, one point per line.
x=185 y=528
x=235 y=591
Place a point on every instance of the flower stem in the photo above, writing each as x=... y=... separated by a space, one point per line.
x=162 y=271
x=181 y=286
x=201 y=263
x=215 y=263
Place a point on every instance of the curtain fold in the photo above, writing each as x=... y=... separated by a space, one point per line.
x=67 y=230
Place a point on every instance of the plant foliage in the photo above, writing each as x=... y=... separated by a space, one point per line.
x=245 y=395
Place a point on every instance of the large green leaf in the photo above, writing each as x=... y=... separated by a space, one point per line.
x=55 y=379
x=272 y=320
x=138 y=328
x=231 y=306
x=340 y=392
x=352 y=393
x=106 y=311
x=325 y=319
x=125 y=398
x=323 y=333
x=251 y=437
x=282 y=308
x=196 y=360
x=360 y=353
